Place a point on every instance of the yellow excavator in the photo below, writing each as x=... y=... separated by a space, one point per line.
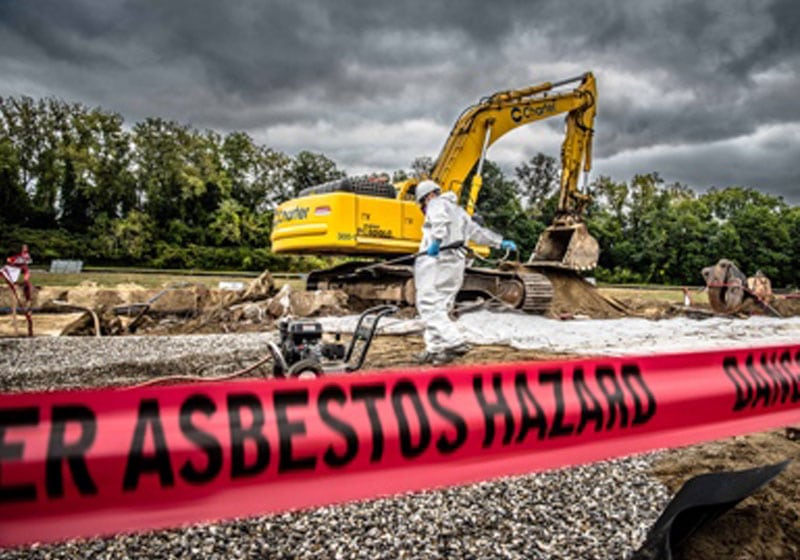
x=373 y=217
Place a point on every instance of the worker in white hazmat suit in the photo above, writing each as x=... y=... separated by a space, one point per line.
x=438 y=274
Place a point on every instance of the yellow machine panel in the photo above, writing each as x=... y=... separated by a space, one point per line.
x=347 y=223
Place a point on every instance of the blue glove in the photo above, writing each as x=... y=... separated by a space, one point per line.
x=508 y=245
x=433 y=248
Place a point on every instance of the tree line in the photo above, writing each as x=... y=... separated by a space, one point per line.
x=654 y=232
x=75 y=182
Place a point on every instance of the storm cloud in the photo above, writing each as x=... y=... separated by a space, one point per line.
x=702 y=92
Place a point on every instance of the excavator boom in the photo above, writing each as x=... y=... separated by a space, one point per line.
x=483 y=124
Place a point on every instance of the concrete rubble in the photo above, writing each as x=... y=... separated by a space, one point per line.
x=178 y=307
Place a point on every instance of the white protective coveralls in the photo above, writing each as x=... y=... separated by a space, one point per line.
x=438 y=279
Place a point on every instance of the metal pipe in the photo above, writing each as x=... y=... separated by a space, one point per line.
x=569 y=80
x=486 y=137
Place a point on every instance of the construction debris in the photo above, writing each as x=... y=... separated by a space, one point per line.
x=726 y=286
x=187 y=308
x=260 y=288
x=760 y=286
x=257 y=307
x=731 y=292
x=307 y=304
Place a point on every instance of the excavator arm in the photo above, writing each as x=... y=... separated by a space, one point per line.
x=483 y=124
x=576 y=155
x=567 y=243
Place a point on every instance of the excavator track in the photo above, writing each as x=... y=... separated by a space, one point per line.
x=518 y=287
x=538 y=293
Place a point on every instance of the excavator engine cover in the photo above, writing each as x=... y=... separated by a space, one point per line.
x=567 y=246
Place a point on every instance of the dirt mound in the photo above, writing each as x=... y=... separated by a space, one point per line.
x=765 y=525
x=787 y=307
x=573 y=295
x=397 y=351
x=97 y=297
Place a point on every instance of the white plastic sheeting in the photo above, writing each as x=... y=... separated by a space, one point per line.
x=603 y=336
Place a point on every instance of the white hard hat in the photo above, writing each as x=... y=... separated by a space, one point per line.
x=425 y=188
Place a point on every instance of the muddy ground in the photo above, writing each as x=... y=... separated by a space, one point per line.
x=765 y=525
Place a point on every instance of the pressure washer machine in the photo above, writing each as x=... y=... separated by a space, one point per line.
x=301 y=352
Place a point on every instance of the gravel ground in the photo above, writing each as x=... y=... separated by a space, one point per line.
x=596 y=511
x=72 y=362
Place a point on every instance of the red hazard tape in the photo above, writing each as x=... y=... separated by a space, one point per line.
x=83 y=463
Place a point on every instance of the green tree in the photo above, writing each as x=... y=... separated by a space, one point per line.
x=177 y=176
x=239 y=159
x=74 y=202
x=110 y=183
x=422 y=167
x=274 y=180
x=611 y=195
x=134 y=236
x=205 y=184
x=34 y=132
x=226 y=228
x=14 y=204
x=538 y=178
x=792 y=220
x=681 y=231
x=499 y=205
x=309 y=169
x=762 y=224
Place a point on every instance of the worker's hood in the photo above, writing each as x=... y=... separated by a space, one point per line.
x=450 y=196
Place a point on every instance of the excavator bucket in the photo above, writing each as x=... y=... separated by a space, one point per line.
x=566 y=246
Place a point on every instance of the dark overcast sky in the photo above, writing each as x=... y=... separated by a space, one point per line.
x=705 y=93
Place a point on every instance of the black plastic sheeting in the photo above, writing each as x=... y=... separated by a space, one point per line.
x=700 y=500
